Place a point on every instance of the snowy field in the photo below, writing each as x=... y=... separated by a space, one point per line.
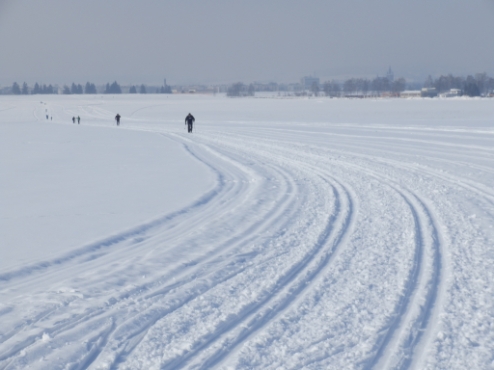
x=281 y=234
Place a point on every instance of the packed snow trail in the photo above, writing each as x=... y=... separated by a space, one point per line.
x=320 y=246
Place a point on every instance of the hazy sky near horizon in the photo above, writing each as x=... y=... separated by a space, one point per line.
x=222 y=41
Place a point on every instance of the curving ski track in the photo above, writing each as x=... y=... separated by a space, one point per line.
x=303 y=255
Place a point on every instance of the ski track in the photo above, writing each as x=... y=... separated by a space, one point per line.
x=140 y=231
x=244 y=234
x=286 y=287
x=421 y=292
x=415 y=307
x=417 y=311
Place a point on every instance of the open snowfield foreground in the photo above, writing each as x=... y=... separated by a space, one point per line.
x=281 y=234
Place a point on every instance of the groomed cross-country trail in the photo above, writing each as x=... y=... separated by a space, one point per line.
x=334 y=234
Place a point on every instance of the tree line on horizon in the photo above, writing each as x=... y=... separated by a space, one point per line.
x=477 y=85
x=239 y=89
x=362 y=86
x=50 y=89
x=89 y=88
x=143 y=90
x=472 y=85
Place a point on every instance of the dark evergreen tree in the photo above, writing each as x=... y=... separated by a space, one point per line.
x=25 y=89
x=133 y=90
x=16 y=89
x=90 y=88
x=66 y=90
x=76 y=89
x=114 y=88
x=471 y=89
x=142 y=89
x=36 y=89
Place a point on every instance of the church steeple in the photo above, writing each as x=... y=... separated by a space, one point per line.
x=390 y=75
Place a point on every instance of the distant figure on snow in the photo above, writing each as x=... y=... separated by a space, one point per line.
x=189 y=121
x=78 y=120
x=117 y=118
x=73 y=119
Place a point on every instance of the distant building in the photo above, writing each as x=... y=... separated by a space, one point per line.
x=451 y=93
x=411 y=94
x=429 y=92
x=307 y=82
x=388 y=94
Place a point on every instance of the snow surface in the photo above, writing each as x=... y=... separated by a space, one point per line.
x=281 y=234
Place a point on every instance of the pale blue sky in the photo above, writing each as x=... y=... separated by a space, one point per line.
x=192 y=41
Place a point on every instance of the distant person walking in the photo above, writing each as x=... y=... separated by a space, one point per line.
x=73 y=119
x=78 y=120
x=117 y=118
x=189 y=121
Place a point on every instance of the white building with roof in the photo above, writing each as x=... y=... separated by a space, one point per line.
x=451 y=93
x=411 y=94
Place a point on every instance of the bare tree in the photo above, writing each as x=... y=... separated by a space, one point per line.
x=315 y=88
x=332 y=88
x=398 y=85
x=239 y=89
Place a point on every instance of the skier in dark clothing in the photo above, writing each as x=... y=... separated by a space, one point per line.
x=73 y=119
x=78 y=120
x=189 y=121
x=117 y=118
